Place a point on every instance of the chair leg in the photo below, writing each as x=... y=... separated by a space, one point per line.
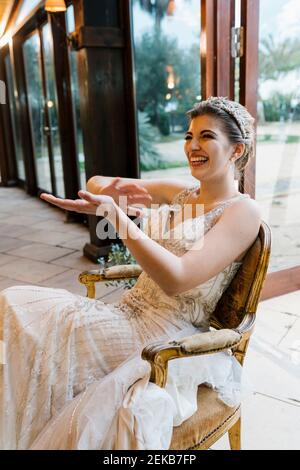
x=234 y=434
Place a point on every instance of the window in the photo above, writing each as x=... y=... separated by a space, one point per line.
x=36 y=102
x=278 y=147
x=14 y=109
x=26 y=9
x=51 y=101
x=75 y=96
x=167 y=70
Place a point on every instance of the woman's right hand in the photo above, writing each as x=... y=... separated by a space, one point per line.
x=134 y=192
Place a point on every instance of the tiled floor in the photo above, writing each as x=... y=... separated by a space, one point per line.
x=38 y=247
x=271 y=412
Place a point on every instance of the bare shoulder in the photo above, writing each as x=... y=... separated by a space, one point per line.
x=163 y=190
x=243 y=216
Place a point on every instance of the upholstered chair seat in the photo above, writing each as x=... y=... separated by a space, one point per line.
x=232 y=324
x=212 y=414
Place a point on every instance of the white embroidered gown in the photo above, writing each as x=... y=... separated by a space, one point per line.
x=62 y=349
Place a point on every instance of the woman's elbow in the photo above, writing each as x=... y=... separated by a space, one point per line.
x=171 y=288
x=90 y=183
x=173 y=282
x=169 y=291
x=93 y=184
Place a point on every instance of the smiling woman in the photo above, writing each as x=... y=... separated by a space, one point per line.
x=235 y=126
x=68 y=354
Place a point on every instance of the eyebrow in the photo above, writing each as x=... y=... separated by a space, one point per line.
x=202 y=132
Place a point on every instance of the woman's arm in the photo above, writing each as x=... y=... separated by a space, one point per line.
x=234 y=233
x=161 y=191
x=230 y=237
x=149 y=253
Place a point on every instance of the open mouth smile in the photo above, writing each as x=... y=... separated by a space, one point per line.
x=198 y=161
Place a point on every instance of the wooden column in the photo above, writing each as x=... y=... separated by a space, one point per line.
x=7 y=154
x=67 y=129
x=249 y=77
x=26 y=137
x=4 y=170
x=217 y=65
x=107 y=104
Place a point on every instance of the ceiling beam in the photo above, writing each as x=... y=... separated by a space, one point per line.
x=7 y=10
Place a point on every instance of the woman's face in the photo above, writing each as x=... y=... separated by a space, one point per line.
x=207 y=148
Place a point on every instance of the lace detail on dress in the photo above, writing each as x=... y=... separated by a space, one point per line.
x=180 y=197
x=58 y=343
x=146 y=303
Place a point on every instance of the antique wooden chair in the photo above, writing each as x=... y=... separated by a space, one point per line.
x=231 y=327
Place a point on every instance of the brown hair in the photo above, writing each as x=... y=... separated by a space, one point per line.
x=236 y=122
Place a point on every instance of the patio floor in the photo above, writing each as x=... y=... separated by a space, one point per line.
x=38 y=247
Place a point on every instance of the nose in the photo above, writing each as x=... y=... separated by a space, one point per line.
x=194 y=144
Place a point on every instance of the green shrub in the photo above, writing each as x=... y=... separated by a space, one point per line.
x=118 y=254
x=163 y=123
x=150 y=159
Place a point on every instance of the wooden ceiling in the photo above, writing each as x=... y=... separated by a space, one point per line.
x=5 y=9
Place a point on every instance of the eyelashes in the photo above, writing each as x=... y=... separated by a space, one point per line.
x=205 y=136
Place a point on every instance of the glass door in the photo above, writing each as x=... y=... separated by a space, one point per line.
x=270 y=87
x=42 y=102
x=51 y=110
x=167 y=69
x=14 y=109
x=278 y=131
x=36 y=103
x=75 y=97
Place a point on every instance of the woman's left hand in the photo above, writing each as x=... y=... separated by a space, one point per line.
x=100 y=205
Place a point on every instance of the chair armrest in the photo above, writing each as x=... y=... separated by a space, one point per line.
x=159 y=353
x=209 y=342
x=122 y=271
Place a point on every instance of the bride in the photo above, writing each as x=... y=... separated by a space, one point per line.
x=73 y=377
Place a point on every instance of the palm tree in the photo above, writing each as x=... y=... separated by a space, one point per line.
x=277 y=58
x=157 y=8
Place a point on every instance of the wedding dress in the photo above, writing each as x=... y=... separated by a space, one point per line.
x=73 y=377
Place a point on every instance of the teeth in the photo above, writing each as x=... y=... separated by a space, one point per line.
x=200 y=159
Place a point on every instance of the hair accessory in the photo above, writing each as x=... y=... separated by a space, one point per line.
x=233 y=109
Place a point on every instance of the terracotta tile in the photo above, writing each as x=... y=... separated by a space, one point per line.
x=267 y=424
x=40 y=252
x=270 y=424
x=7 y=243
x=5 y=259
x=49 y=237
x=285 y=303
x=60 y=226
x=6 y=282
x=110 y=297
x=271 y=371
x=69 y=281
x=290 y=344
x=30 y=271
x=76 y=243
x=76 y=261
x=13 y=230
x=26 y=220
x=273 y=325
